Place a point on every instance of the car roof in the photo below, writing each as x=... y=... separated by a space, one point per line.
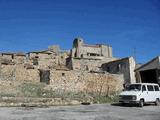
x=145 y=83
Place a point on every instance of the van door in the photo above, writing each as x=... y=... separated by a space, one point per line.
x=144 y=94
x=157 y=93
x=151 y=93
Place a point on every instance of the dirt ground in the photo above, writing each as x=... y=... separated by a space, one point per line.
x=81 y=112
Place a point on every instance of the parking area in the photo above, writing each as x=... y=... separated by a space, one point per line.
x=82 y=112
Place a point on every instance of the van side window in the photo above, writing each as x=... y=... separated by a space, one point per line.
x=143 y=88
x=156 y=88
x=150 y=88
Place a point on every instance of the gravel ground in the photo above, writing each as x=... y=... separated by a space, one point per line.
x=82 y=112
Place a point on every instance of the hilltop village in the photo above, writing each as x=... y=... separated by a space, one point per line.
x=83 y=68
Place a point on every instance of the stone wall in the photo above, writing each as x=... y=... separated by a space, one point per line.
x=47 y=59
x=7 y=56
x=88 y=64
x=18 y=72
x=6 y=72
x=77 y=81
x=19 y=59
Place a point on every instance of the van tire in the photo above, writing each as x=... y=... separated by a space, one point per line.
x=123 y=104
x=157 y=102
x=141 y=103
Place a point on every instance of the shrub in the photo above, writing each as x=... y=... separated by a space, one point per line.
x=31 y=89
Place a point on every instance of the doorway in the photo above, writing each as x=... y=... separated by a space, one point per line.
x=149 y=76
x=44 y=76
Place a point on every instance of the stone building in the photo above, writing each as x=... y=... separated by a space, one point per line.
x=79 y=69
x=19 y=58
x=149 y=72
x=20 y=66
x=89 y=57
x=81 y=50
x=123 y=66
x=12 y=58
x=7 y=55
x=48 y=59
x=43 y=59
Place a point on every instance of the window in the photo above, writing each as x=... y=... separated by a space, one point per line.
x=12 y=56
x=150 y=88
x=134 y=87
x=118 y=67
x=143 y=88
x=36 y=56
x=63 y=74
x=156 y=88
x=108 y=69
x=35 y=61
x=92 y=54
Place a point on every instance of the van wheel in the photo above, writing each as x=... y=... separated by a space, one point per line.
x=157 y=102
x=123 y=104
x=141 y=103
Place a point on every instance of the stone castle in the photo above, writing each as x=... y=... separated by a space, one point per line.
x=84 y=67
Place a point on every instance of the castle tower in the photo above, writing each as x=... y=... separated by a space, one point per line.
x=77 y=44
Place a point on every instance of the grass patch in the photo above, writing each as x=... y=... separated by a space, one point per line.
x=31 y=90
x=106 y=99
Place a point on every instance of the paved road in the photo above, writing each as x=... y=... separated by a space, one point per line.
x=82 y=112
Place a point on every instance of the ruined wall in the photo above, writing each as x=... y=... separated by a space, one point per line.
x=77 y=81
x=19 y=59
x=85 y=64
x=88 y=64
x=7 y=72
x=48 y=60
x=26 y=74
x=7 y=56
x=15 y=67
x=18 y=73
x=47 y=64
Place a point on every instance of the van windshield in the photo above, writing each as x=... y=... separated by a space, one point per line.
x=133 y=87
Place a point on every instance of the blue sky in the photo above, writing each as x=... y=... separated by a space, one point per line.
x=28 y=25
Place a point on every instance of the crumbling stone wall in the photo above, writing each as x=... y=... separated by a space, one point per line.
x=7 y=56
x=6 y=72
x=18 y=73
x=88 y=64
x=47 y=59
x=76 y=81
x=23 y=74
x=19 y=59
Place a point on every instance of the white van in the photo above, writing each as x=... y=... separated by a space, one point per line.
x=140 y=93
